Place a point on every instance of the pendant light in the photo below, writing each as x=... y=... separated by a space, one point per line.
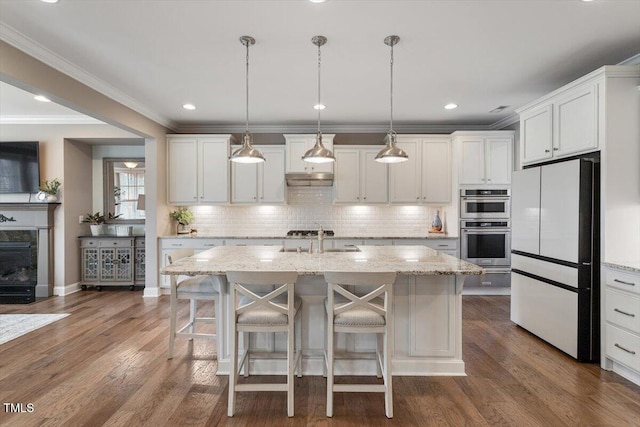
x=319 y=153
x=246 y=153
x=391 y=153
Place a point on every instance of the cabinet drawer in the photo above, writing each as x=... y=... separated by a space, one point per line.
x=86 y=243
x=622 y=280
x=139 y=243
x=179 y=243
x=442 y=245
x=623 y=310
x=116 y=243
x=623 y=347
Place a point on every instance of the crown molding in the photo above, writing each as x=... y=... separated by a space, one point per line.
x=634 y=60
x=203 y=128
x=42 y=54
x=49 y=120
x=507 y=121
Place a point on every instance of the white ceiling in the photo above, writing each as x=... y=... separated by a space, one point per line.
x=155 y=56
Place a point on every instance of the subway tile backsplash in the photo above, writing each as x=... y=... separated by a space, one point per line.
x=309 y=207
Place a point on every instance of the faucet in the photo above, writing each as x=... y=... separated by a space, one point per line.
x=320 y=240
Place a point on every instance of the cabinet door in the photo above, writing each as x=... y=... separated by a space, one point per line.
x=90 y=264
x=560 y=210
x=404 y=178
x=295 y=150
x=536 y=134
x=244 y=183
x=498 y=160
x=472 y=161
x=271 y=182
x=347 y=175
x=436 y=172
x=576 y=119
x=183 y=171
x=525 y=211
x=373 y=178
x=213 y=170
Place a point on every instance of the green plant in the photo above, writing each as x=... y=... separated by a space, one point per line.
x=97 y=218
x=51 y=187
x=183 y=215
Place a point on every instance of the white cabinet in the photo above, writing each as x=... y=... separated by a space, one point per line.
x=298 y=144
x=262 y=182
x=168 y=245
x=622 y=322
x=485 y=157
x=564 y=123
x=426 y=176
x=446 y=245
x=358 y=177
x=198 y=169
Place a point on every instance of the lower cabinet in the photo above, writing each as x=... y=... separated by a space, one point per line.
x=112 y=261
x=621 y=308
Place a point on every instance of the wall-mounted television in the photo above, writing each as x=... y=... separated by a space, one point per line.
x=19 y=170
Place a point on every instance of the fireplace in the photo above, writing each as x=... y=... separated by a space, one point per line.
x=26 y=251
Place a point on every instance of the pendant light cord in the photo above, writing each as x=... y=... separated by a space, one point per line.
x=246 y=43
x=319 y=104
x=391 y=91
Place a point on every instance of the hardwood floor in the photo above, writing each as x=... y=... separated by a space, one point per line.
x=106 y=365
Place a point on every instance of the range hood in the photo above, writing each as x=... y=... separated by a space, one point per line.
x=313 y=179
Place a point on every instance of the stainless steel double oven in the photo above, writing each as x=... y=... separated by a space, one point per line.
x=485 y=234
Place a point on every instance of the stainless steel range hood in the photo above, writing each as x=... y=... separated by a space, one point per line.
x=313 y=179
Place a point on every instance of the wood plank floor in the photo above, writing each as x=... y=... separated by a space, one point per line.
x=106 y=365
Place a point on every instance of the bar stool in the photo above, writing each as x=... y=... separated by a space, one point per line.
x=347 y=312
x=194 y=289
x=256 y=310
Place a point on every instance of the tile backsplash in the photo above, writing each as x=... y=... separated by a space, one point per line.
x=308 y=207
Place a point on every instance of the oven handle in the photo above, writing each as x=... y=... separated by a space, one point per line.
x=485 y=230
x=486 y=198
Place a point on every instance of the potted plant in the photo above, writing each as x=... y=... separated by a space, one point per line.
x=49 y=191
x=96 y=222
x=184 y=217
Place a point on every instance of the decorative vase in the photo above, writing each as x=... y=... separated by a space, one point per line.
x=183 y=229
x=436 y=225
x=46 y=197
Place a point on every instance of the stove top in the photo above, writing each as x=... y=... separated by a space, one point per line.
x=308 y=233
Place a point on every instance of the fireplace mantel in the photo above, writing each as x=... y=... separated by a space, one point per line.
x=34 y=216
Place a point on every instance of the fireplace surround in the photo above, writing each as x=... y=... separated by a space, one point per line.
x=26 y=252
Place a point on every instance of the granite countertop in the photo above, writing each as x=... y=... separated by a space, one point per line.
x=200 y=236
x=407 y=260
x=633 y=266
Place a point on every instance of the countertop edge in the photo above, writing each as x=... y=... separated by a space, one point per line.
x=621 y=266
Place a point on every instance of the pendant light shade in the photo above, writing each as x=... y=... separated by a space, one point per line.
x=391 y=153
x=246 y=153
x=319 y=153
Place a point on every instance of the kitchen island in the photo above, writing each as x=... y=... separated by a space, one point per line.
x=427 y=304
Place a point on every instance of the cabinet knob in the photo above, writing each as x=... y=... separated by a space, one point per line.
x=364 y=198
x=547 y=151
x=195 y=198
x=418 y=198
x=488 y=179
x=555 y=148
x=254 y=197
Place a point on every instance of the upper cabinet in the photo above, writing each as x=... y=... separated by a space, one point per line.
x=485 y=157
x=564 y=123
x=298 y=144
x=261 y=182
x=358 y=177
x=426 y=176
x=198 y=169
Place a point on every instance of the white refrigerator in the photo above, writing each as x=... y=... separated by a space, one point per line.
x=555 y=254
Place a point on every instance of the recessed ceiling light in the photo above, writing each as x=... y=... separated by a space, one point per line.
x=450 y=106
x=41 y=98
x=317 y=1
x=50 y=1
x=189 y=107
x=587 y=1
x=319 y=107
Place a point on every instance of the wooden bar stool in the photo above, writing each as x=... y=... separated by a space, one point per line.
x=256 y=310
x=194 y=289
x=345 y=311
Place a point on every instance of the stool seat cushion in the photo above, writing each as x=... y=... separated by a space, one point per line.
x=358 y=316
x=199 y=284
x=265 y=315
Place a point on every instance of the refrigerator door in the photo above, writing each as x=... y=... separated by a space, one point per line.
x=525 y=211
x=560 y=210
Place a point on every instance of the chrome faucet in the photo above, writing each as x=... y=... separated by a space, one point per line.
x=320 y=240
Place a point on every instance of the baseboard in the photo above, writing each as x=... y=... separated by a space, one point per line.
x=625 y=372
x=486 y=290
x=151 y=292
x=66 y=289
